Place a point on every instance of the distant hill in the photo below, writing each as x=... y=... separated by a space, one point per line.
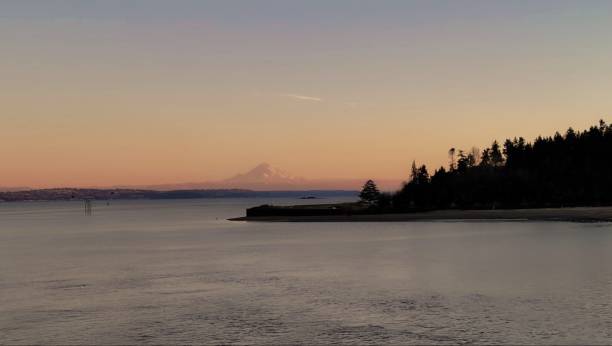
x=13 y=188
x=66 y=194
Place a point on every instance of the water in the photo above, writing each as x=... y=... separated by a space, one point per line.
x=157 y=272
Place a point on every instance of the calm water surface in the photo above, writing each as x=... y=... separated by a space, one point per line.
x=151 y=272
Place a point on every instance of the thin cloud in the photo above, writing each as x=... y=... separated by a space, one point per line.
x=303 y=97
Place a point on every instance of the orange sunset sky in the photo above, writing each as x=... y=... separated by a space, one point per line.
x=101 y=93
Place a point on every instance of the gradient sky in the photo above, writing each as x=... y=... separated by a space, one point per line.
x=143 y=92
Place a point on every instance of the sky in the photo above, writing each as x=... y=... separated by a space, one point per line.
x=108 y=92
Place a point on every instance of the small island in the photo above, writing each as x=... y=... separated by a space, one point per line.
x=564 y=177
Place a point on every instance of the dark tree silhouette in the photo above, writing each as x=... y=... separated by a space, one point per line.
x=370 y=193
x=574 y=169
x=419 y=175
x=451 y=157
x=496 y=155
x=414 y=172
x=463 y=163
x=422 y=175
x=485 y=157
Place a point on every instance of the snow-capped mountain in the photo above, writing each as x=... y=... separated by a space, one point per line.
x=264 y=175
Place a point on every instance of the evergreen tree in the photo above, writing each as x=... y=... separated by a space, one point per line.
x=422 y=176
x=496 y=155
x=463 y=163
x=485 y=158
x=370 y=193
x=414 y=172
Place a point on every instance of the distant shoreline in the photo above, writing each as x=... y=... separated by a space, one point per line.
x=79 y=194
x=577 y=214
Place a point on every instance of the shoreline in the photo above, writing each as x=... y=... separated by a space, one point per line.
x=574 y=214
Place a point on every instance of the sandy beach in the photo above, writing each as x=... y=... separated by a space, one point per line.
x=581 y=214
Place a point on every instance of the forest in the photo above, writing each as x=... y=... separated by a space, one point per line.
x=563 y=170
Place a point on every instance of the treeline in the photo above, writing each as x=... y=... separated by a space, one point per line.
x=571 y=169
